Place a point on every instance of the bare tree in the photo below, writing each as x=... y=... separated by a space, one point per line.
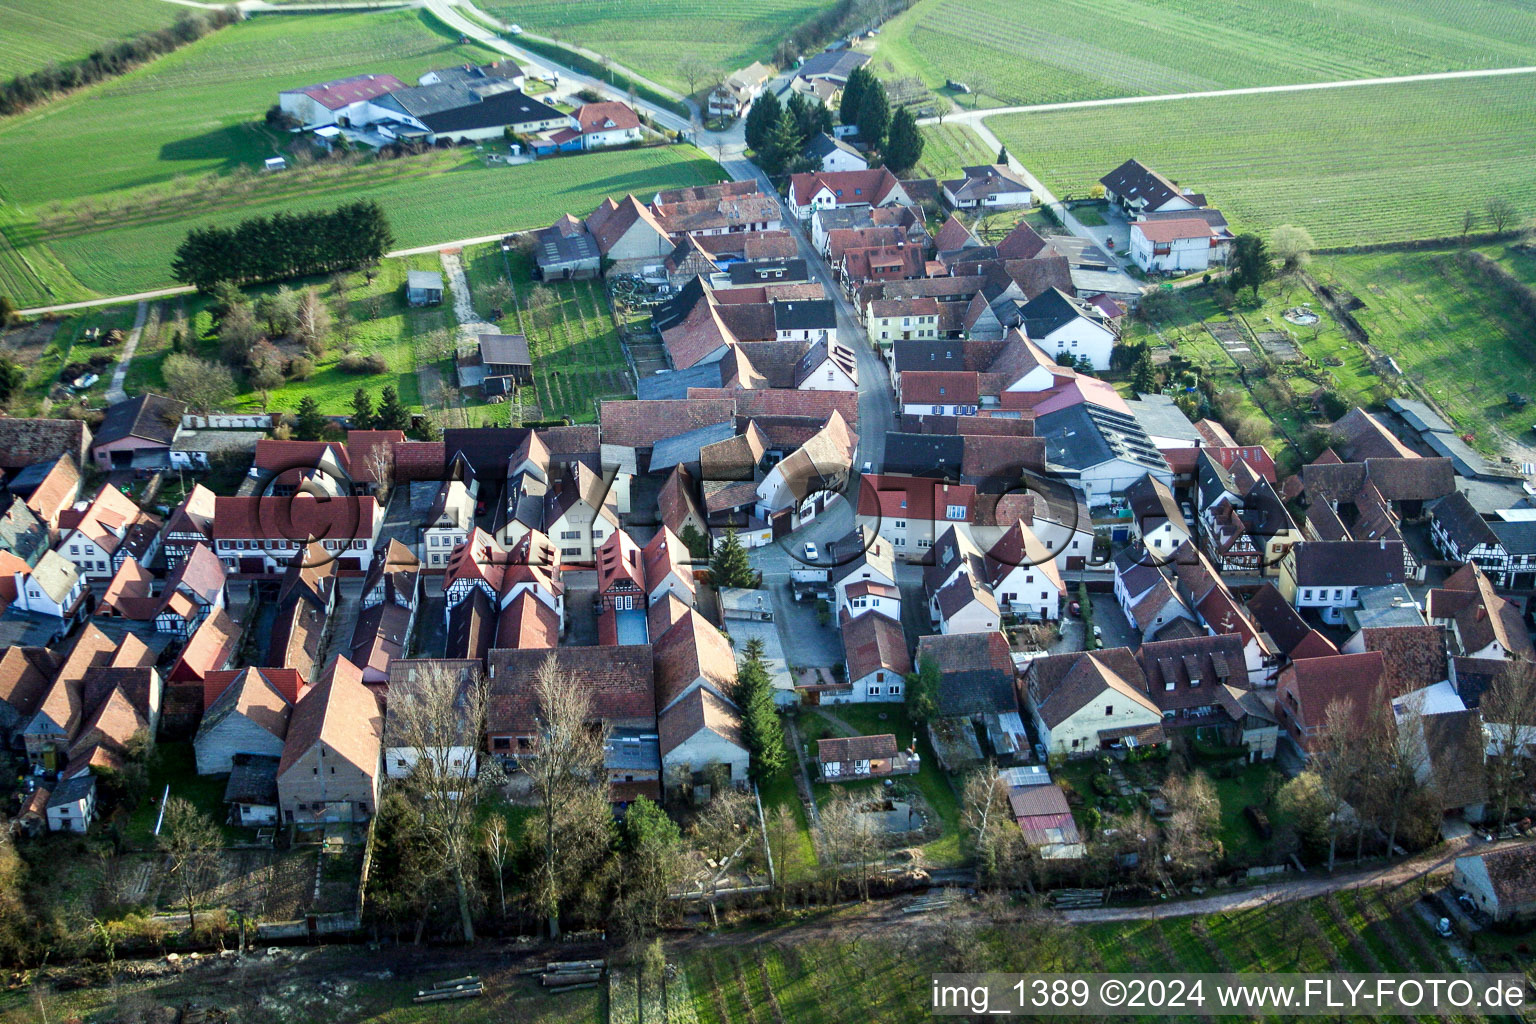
x=566 y=766
x=692 y=69
x=191 y=842
x=1339 y=763
x=724 y=835
x=989 y=831
x=438 y=344
x=313 y=321
x=849 y=839
x=1509 y=720
x=437 y=722
x=1468 y=221
x=498 y=850
x=203 y=385
x=379 y=461
x=495 y=294
x=1399 y=759
x=1190 y=835
x=1501 y=212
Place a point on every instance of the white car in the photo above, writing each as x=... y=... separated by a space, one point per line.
x=516 y=30
x=810 y=552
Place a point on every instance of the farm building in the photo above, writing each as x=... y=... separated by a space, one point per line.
x=566 y=251
x=340 y=102
x=456 y=111
x=137 y=432
x=506 y=361
x=863 y=757
x=1501 y=882
x=423 y=287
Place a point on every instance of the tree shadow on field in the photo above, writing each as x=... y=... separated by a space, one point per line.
x=236 y=145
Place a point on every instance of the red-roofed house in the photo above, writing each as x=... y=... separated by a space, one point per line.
x=609 y=123
x=911 y=512
x=1178 y=244
x=830 y=190
x=875 y=649
x=257 y=536
x=940 y=392
x=1307 y=688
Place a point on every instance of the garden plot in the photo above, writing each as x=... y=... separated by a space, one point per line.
x=1280 y=346
x=1232 y=342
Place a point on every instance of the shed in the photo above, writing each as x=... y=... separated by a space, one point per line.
x=423 y=287
x=506 y=361
x=275 y=163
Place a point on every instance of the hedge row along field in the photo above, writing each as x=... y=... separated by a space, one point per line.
x=1437 y=149
x=38 y=32
x=1030 y=51
x=653 y=38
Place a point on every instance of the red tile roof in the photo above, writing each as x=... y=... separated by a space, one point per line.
x=343 y=91
x=300 y=517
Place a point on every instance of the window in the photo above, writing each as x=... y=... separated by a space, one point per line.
x=874 y=691
x=861 y=767
x=1109 y=710
x=570 y=551
x=1338 y=595
x=1306 y=594
x=900 y=524
x=894 y=690
x=879 y=677
x=1010 y=597
x=832 y=769
x=954 y=512
x=570 y=534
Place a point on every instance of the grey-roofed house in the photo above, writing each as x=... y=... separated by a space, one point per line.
x=1163 y=420
x=987 y=185
x=835 y=154
x=566 y=251
x=1107 y=450
x=804 y=319
x=1058 y=322
x=506 y=361
x=423 y=287
x=833 y=65
x=454 y=110
x=683 y=449
x=22 y=533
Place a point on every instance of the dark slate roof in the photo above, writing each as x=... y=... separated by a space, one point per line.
x=935 y=455
x=1518 y=538
x=837 y=64
x=976 y=673
x=493 y=111
x=805 y=315
x=1050 y=310
x=505 y=348
x=1134 y=180
x=767 y=272
x=1085 y=435
x=148 y=417
x=1348 y=563
x=252 y=780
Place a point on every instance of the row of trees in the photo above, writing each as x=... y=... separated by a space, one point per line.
x=35 y=87
x=284 y=245
x=778 y=132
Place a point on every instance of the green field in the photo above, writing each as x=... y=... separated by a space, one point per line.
x=655 y=37
x=1365 y=164
x=184 y=132
x=1464 y=345
x=577 y=356
x=949 y=147
x=1015 y=52
x=40 y=32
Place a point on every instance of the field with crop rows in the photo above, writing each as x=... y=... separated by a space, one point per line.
x=40 y=32
x=1435 y=149
x=461 y=197
x=1463 y=344
x=1030 y=51
x=949 y=147
x=578 y=359
x=655 y=37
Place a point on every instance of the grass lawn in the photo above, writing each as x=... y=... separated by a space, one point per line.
x=175 y=764
x=1242 y=843
x=1464 y=344
x=1089 y=216
x=1436 y=149
x=42 y=32
x=1030 y=51
x=578 y=359
x=729 y=36
x=799 y=860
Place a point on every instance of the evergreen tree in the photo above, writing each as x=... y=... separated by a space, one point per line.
x=226 y=295
x=362 y=410
x=811 y=117
x=729 y=566
x=391 y=415
x=312 y=425
x=761 y=120
x=904 y=146
x=7 y=311
x=698 y=544
x=761 y=729
x=1002 y=156
x=923 y=691
x=874 y=114
x=1143 y=376
x=853 y=95
x=1250 y=263
x=783 y=144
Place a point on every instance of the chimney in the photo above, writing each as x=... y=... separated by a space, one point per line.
x=1383 y=543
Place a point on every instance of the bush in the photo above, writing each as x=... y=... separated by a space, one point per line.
x=299 y=368
x=357 y=362
x=1102 y=784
